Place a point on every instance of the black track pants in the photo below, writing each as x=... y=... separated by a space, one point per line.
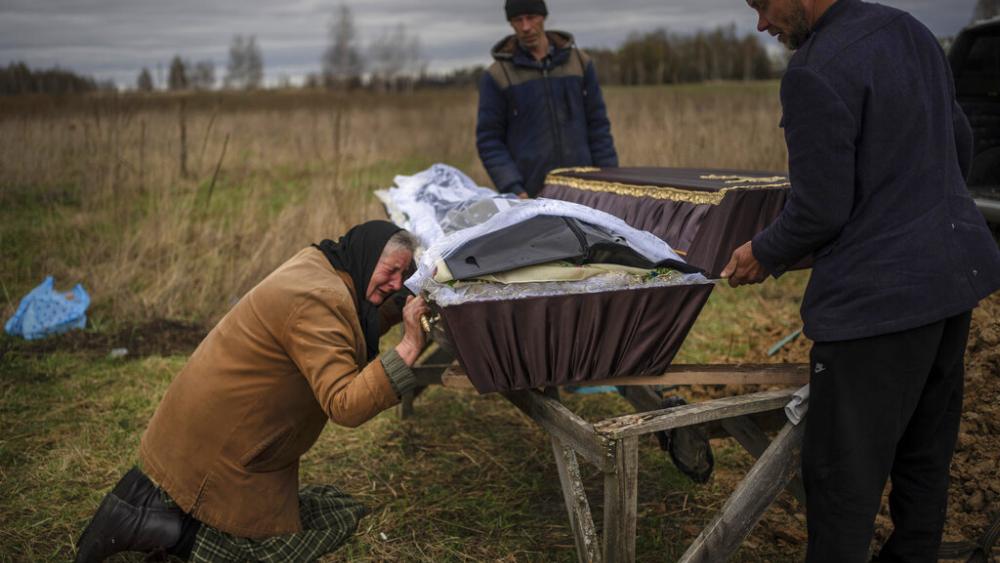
x=880 y=407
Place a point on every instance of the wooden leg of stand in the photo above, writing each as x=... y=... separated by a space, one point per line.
x=755 y=441
x=580 y=519
x=766 y=479
x=620 y=496
x=406 y=405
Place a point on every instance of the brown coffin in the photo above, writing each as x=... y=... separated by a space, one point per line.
x=535 y=342
x=703 y=214
x=539 y=341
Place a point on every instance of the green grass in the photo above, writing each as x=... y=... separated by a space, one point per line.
x=739 y=325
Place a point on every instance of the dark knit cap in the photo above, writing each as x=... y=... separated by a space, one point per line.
x=516 y=8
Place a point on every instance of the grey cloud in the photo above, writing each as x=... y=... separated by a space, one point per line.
x=115 y=38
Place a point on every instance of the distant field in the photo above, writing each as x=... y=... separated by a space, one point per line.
x=175 y=206
x=172 y=207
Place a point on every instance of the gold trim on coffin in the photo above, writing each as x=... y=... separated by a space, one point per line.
x=696 y=197
x=575 y=170
x=744 y=179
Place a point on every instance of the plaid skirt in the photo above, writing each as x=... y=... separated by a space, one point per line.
x=329 y=518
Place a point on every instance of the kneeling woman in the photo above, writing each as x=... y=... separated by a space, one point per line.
x=220 y=458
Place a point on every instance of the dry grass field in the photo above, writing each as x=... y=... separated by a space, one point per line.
x=172 y=207
x=165 y=209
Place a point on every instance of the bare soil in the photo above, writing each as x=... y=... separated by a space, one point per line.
x=158 y=337
x=974 y=494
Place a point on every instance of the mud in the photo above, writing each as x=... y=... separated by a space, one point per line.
x=158 y=337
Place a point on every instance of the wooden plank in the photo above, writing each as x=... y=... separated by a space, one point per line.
x=755 y=441
x=795 y=375
x=741 y=512
x=687 y=415
x=456 y=381
x=429 y=374
x=562 y=423
x=750 y=374
x=643 y=398
x=588 y=549
x=435 y=354
x=621 y=488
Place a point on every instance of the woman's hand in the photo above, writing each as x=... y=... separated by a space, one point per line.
x=413 y=335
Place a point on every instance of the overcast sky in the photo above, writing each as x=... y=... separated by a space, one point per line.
x=114 y=39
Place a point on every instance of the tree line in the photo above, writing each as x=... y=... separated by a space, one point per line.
x=659 y=57
x=17 y=78
x=656 y=57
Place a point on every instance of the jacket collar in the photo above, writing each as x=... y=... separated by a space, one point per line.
x=832 y=13
x=508 y=50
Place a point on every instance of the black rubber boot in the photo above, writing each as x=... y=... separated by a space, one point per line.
x=688 y=446
x=132 y=517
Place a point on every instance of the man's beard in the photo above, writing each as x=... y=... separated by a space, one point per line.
x=797 y=31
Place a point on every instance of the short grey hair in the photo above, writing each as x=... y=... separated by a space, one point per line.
x=402 y=240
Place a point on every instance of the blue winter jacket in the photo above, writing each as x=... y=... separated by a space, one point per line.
x=536 y=116
x=878 y=152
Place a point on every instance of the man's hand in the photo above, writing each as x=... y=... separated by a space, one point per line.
x=413 y=335
x=523 y=195
x=743 y=268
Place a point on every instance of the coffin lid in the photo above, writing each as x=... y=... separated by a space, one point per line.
x=701 y=213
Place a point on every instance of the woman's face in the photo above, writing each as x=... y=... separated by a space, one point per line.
x=388 y=276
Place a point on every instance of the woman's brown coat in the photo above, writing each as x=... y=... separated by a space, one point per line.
x=225 y=441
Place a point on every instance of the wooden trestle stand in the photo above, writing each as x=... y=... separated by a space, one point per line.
x=612 y=445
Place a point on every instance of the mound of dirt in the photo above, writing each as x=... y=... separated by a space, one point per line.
x=974 y=494
x=159 y=337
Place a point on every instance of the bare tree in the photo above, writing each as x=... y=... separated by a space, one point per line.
x=396 y=58
x=203 y=75
x=177 y=78
x=342 y=61
x=255 y=65
x=144 y=83
x=245 y=68
x=986 y=9
x=236 y=64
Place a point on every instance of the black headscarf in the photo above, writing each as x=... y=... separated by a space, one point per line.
x=357 y=253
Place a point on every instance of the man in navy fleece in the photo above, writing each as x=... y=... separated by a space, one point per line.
x=878 y=153
x=540 y=107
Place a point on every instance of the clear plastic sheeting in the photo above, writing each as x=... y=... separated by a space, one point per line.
x=420 y=203
x=446 y=295
x=646 y=244
x=472 y=213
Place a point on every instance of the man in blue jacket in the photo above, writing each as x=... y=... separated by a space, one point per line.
x=540 y=107
x=878 y=153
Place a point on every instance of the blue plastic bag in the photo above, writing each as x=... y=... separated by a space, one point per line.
x=45 y=311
